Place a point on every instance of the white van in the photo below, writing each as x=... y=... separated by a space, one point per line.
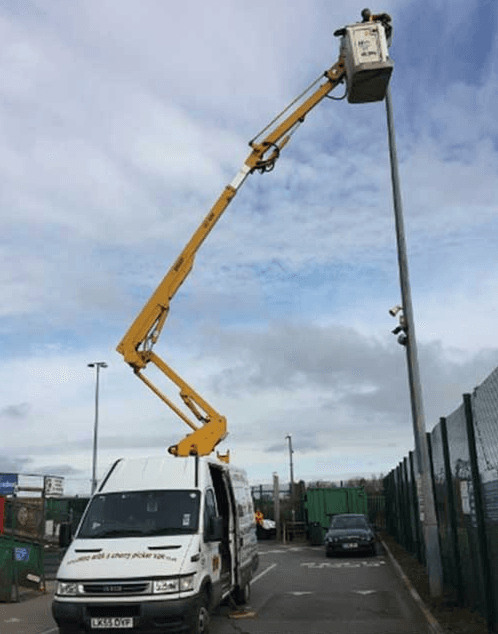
x=162 y=542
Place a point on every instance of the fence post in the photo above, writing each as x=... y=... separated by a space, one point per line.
x=385 y=489
x=433 y=484
x=399 y=501
x=431 y=464
x=481 y=526
x=399 y=508
x=276 y=505
x=388 y=491
x=411 y=512
x=405 y=510
x=408 y=511
x=418 y=533
x=452 y=511
x=392 y=504
x=387 y=496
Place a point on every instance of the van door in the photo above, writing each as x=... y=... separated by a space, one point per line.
x=247 y=556
x=211 y=557
x=224 y=503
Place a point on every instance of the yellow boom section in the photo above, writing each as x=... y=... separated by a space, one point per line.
x=136 y=346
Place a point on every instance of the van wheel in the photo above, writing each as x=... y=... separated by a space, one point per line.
x=242 y=595
x=201 y=619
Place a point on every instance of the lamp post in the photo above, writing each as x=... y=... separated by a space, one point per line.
x=407 y=338
x=97 y=365
x=289 y=438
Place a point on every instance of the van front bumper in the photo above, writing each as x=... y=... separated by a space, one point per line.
x=176 y=615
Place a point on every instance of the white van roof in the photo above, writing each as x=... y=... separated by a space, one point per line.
x=161 y=472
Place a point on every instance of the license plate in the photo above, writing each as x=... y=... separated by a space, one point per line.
x=111 y=623
x=351 y=545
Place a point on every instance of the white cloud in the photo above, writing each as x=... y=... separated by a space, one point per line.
x=122 y=124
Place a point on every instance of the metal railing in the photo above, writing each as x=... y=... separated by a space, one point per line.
x=463 y=450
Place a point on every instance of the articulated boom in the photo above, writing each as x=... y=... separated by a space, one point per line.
x=136 y=346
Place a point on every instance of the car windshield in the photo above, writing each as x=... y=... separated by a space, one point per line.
x=348 y=522
x=141 y=513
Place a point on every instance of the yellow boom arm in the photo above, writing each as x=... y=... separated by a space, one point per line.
x=136 y=346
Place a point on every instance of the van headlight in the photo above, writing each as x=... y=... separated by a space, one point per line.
x=67 y=588
x=173 y=584
x=187 y=583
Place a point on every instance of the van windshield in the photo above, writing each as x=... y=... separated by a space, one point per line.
x=141 y=513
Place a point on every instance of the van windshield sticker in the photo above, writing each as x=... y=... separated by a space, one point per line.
x=186 y=519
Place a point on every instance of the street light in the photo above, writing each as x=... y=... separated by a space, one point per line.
x=289 y=438
x=406 y=337
x=97 y=365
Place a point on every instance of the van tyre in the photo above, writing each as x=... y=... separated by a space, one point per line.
x=202 y=618
x=242 y=595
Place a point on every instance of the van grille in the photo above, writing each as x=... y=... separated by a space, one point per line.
x=117 y=588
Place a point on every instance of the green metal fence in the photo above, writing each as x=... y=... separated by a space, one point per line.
x=463 y=450
x=376 y=503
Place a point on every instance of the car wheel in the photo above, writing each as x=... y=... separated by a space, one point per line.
x=328 y=553
x=202 y=618
x=242 y=595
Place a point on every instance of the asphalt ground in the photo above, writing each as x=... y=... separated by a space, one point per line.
x=296 y=589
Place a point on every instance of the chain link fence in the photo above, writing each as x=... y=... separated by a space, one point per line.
x=463 y=449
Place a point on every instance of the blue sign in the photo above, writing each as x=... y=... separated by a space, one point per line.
x=21 y=554
x=7 y=483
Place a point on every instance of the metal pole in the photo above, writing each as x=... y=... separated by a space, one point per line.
x=426 y=498
x=293 y=512
x=97 y=365
x=289 y=438
x=276 y=505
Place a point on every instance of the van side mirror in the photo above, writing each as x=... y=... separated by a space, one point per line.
x=65 y=535
x=214 y=532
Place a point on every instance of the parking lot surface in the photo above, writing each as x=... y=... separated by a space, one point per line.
x=296 y=589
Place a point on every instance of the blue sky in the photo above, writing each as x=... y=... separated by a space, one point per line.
x=120 y=125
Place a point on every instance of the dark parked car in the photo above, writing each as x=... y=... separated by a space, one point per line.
x=349 y=533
